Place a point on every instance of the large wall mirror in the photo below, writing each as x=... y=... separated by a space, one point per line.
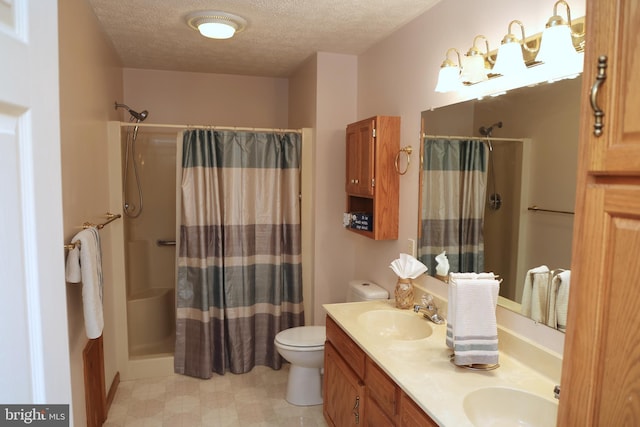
x=530 y=179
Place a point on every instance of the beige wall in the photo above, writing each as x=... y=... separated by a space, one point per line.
x=174 y=97
x=90 y=80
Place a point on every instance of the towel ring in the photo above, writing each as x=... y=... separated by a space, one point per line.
x=407 y=150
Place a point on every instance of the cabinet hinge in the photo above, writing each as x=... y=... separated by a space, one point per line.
x=373 y=182
x=373 y=132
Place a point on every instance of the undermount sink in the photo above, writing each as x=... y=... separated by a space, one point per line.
x=498 y=407
x=395 y=324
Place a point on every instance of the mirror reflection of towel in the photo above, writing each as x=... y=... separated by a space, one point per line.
x=562 y=300
x=534 y=295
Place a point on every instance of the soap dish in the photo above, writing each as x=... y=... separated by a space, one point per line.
x=475 y=366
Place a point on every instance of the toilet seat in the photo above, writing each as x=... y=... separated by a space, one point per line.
x=302 y=338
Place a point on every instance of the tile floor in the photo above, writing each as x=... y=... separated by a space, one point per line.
x=254 y=399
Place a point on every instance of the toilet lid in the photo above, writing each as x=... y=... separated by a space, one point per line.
x=302 y=336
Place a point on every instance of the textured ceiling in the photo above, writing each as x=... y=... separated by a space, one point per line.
x=280 y=34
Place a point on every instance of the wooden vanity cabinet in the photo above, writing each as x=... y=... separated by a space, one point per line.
x=372 y=182
x=357 y=392
x=600 y=384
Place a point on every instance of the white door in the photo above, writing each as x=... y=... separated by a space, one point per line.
x=34 y=344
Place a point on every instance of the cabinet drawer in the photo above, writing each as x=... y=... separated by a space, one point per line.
x=350 y=352
x=382 y=389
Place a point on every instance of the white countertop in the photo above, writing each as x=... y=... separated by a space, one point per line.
x=423 y=370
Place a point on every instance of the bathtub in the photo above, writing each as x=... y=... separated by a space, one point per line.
x=151 y=330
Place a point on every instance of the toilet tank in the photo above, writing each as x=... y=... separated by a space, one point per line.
x=364 y=290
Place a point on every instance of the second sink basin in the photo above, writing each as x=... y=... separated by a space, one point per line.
x=395 y=324
x=501 y=406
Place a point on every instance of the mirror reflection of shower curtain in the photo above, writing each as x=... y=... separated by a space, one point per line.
x=454 y=186
x=239 y=262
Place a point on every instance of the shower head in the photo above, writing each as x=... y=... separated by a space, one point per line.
x=139 y=116
x=134 y=114
x=487 y=131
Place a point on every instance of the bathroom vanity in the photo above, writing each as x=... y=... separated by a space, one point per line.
x=358 y=392
x=396 y=372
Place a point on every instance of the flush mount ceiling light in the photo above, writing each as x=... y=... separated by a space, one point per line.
x=215 y=24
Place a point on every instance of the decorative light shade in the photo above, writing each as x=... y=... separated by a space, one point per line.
x=556 y=46
x=215 y=24
x=510 y=61
x=449 y=75
x=474 y=67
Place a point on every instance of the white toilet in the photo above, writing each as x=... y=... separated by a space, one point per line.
x=303 y=347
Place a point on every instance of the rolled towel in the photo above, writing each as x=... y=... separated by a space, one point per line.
x=87 y=259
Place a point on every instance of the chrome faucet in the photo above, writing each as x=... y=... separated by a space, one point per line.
x=429 y=309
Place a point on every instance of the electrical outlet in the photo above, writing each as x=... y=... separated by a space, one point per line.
x=411 y=247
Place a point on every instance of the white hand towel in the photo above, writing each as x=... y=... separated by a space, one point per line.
x=562 y=300
x=531 y=295
x=451 y=304
x=87 y=259
x=472 y=329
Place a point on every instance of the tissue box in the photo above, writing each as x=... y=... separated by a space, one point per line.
x=362 y=221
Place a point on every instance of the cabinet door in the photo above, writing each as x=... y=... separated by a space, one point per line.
x=411 y=415
x=382 y=390
x=375 y=416
x=360 y=157
x=612 y=32
x=343 y=391
x=600 y=385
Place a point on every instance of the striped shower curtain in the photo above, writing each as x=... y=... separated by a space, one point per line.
x=239 y=254
x=454 y=181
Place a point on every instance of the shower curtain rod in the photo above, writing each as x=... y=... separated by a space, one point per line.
x=246 y=129
x=482 y=138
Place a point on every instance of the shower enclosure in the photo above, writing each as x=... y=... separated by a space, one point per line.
x=149 y=242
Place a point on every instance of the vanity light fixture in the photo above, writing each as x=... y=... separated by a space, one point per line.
x=216 y=24
x=510 y=60
x=556 y=46
x=449 y=75
x=551 y=55
x=474 y=64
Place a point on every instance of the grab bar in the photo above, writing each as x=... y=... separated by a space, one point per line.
x=161 y=242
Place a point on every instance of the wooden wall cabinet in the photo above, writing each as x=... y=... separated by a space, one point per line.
x=372 y=182
x=600 y=377
x=357 y=392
